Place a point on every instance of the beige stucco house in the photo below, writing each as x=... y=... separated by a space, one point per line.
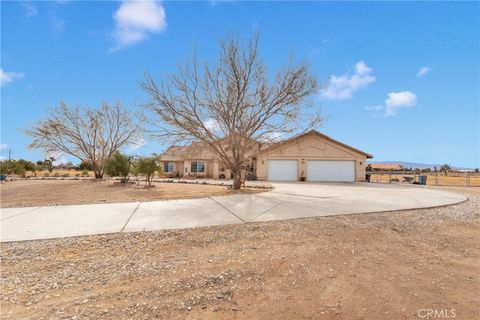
x=311 y=156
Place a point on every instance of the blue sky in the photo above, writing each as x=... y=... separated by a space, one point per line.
x=403 y=77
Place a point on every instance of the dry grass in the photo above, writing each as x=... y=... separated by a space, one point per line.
x=432 y=179
x=24 y=193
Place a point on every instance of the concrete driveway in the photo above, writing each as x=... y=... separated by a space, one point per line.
x=286 y=201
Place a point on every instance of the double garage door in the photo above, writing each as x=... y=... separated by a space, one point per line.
x=317 y=170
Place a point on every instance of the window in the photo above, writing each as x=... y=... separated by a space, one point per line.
x=197 y=166
x=168 y=167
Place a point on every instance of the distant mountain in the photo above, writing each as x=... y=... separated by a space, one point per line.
x=415 y=165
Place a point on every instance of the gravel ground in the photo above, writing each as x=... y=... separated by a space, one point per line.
x=367 y=266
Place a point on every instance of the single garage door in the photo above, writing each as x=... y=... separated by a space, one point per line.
x=282 y=170
x=330 y=170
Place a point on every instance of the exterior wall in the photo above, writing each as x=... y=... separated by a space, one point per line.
x=183 y=169
x=188 y=165
x=360 y=169
x=214 y=169
x=310 y=147
x=177 y=167
x=209 y=168
x=226 y=172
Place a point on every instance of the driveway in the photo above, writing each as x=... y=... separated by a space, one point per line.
x=286 y=201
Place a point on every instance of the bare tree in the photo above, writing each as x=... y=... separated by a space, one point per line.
x=446 y=168
x=92 y=135
x=234 y=104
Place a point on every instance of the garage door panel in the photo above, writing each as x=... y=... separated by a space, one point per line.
x=282 y=170
x=331 y=170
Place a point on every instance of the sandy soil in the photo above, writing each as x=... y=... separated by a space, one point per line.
x=453 y=179
x=24 y=193
x=395 y=265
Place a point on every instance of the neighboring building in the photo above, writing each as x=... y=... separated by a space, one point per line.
x=312 y=156
x=386 y=166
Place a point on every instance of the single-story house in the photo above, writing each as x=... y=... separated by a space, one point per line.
x=312 y=156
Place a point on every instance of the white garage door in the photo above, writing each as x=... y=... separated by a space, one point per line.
x=282 y=170
x=330 y=170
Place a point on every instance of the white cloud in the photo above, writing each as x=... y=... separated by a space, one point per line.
x=342 y=87
x=8 y=77
x=361 y=68
x=60 y=157
x=423 y=71
x=395 y=100
x=30 y=8
x=58 y=25
x=212 y=125
x=272 y=137
x=135 y=145
x=135 y=20
x=4 y=146
x=374 y=108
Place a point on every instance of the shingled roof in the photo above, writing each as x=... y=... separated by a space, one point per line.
x=197 y=151
x=315 y=132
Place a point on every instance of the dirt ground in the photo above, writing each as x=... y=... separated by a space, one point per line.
x=452 y=179
x=396 y=265
x=24 y=193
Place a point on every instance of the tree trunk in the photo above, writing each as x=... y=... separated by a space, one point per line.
x=237 y=179
x=98 y=173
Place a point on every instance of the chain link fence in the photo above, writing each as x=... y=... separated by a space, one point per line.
x=463 y=179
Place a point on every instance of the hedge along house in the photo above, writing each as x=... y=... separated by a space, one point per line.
x=311 y=156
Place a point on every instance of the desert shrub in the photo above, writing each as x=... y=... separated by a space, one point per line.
x=17 y=167
x=446 y=168
x=118 y=166
x=57 y=174
x=65 y=175
x=46 y=164
x=78 y=175
x=85 y=173
x=147 y=166
x=134 y=170
x=7 y=167
x=85 y=166
x=46 y=174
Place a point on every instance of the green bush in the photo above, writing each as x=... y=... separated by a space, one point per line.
x=118 y=166
x=7 y=167
x=17 y=167
x=65 y=175
x=57 y=174
x=85 y=166
x=147 y=166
